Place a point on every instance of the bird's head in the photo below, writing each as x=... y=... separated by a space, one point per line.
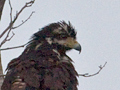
x=59 y=35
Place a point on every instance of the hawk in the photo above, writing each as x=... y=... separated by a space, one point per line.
x=44 y=65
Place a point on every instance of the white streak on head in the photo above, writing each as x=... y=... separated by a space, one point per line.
x=61 y=42
x=58 y=30
x=65 y=28
x=49 y=40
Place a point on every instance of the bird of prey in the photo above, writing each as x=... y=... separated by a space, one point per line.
x=44 y=65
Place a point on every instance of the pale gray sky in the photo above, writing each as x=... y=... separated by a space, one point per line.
x=98 y=32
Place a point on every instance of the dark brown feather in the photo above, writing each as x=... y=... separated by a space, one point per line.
x=42 y=68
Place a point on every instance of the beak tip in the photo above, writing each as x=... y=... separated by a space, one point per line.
x=77 y=47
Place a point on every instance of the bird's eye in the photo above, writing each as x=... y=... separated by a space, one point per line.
x=60 y=36
x=63 y=36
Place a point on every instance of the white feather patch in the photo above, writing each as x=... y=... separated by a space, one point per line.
x=65 y=59
x=58 y=30
x=38 y=46
x=65 y=28
x=61 y=42
x=49 y=40
x=56 y=52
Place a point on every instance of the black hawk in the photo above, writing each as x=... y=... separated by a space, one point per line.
x=44 y=65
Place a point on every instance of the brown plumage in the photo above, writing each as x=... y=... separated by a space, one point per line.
x=44 y=64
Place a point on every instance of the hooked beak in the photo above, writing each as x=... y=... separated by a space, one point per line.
x=77 y=47
x=73 y=44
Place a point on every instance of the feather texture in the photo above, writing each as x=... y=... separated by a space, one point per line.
x=44 y=66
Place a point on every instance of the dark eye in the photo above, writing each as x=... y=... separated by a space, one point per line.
x=63 y=36
x=60 y=36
